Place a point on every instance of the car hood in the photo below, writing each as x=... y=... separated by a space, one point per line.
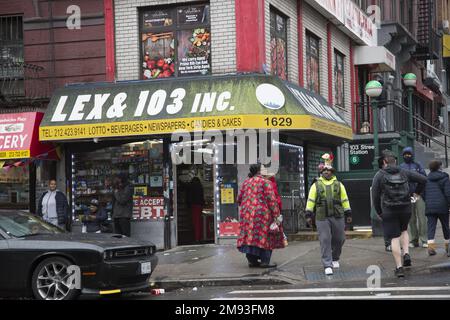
x=103 y=240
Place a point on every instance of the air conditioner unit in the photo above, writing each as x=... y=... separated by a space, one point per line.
x=446 y=26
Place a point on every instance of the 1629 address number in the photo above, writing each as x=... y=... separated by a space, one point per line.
x=278 y=121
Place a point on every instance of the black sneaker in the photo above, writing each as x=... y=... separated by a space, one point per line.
x=399 y=272
x=406 y=260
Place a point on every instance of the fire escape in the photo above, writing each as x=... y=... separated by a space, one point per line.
x=428 y=39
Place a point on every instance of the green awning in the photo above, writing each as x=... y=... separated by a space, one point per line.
x=207 y=103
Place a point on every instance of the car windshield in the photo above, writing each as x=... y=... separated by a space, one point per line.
x=21 y=224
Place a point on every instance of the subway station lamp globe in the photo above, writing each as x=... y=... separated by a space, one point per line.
x=374 y=89
x=410 y=80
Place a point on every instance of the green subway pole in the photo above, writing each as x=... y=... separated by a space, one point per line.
x=373 y=90
x=410 y=81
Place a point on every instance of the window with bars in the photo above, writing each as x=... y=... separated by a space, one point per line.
x=312 y=63
x=11 y=55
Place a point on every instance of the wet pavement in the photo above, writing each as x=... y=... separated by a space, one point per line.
x=299 y=263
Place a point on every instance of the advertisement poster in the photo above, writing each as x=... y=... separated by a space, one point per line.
x=194 y=48
x=159 y=55
x=227 y=194
x=140 y=191
x=156 y=181
x=148 y=207
x=193 y=14
x=158 y=18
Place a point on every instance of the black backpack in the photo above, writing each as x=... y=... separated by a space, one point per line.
x=396 y=190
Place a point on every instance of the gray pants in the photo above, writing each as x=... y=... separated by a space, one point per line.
x=418 y=224
x=332 y=238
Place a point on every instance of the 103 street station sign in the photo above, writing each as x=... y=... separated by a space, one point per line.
x=207 y=103
x=361 y=156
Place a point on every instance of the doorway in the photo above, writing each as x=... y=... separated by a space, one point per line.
x=195 y=218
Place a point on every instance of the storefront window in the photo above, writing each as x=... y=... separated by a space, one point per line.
x=278 y=44
x=339 y=79
x=312 y=63
x=176 y=41
x=14 y=185
x=141 y=162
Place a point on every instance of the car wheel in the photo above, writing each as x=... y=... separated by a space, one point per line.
x=51 y=281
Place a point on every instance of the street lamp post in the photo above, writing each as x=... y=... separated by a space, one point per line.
x=373 y=90
x=410 y=81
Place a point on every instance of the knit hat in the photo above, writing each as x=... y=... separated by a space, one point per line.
x=327 y=159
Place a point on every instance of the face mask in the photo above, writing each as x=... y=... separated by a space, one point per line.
x=407 y=159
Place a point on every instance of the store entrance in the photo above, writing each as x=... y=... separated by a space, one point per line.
x=195 y=204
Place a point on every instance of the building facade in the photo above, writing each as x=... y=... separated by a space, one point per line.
x=43 y=46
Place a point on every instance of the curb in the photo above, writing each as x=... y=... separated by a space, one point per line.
x=173 y=284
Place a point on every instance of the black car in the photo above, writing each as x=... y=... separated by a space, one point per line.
x=38 y=259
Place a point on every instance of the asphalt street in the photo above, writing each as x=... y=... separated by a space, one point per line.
x=423 y=286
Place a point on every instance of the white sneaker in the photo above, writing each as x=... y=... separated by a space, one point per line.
x=424 y=245
x=328 y=271
x=335 y=264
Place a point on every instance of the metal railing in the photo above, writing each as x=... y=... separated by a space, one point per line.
x=396 y=120
x=22 y=83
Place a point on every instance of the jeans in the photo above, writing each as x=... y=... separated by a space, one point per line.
x=432 y=223
x=122 y=226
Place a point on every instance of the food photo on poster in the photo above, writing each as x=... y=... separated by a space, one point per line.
x=159 y=55
x=194 y=47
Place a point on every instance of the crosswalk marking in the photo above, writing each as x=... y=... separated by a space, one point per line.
x=318 y=290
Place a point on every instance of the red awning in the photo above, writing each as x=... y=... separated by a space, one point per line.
x=19 y=137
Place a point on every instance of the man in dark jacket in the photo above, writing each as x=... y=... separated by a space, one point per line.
x=53 y=207
x=95 y=217
x=418 y=223
x=437 y=200
x=122 y=207
x=389 y=181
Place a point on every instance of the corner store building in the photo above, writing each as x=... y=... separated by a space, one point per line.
x=241 y=36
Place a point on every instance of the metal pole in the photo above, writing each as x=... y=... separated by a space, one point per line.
x=446 y=151
x=375 y=132
x=410 y=91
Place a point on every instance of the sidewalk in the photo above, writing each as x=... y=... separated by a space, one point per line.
x=214 y=265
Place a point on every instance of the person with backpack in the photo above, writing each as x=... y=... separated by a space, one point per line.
x=328 y=197
x=418 y=224
x=392 y=202
x=437 y=203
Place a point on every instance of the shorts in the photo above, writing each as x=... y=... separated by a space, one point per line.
x=395 y=223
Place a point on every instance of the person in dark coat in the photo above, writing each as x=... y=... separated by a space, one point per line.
x=196 y=200
x=122 y=206
x=53 y=206
x=437 y=203
x=417 y=229
x=95 y=217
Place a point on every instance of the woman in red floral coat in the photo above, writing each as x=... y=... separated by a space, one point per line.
x=258 y=209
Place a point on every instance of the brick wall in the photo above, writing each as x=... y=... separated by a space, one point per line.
x=289 y=9
x=223 y=39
